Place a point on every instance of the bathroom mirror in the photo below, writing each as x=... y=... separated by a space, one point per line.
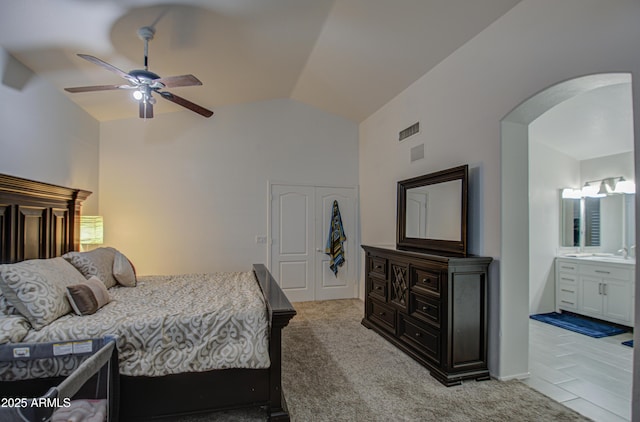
x=606 y=223
x=570 y=222
x=432 y=212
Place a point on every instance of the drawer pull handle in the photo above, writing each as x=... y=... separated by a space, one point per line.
x=568 y=291
x=425 y=308
x=602 y=272
x=378 y=267
x=567 y=302
x=567 y=279
x=425 y=280
x=378 y=288
x=418 y=335
x=381 y=313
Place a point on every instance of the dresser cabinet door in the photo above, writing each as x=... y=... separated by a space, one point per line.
x=399 y=285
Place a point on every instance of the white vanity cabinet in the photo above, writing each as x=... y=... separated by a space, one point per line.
x=599 y=289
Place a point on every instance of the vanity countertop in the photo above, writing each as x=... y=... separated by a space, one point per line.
x=602 y=258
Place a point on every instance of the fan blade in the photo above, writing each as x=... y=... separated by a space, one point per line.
x=186 y=103
x=146 y=110
x=97 y=88
x=182 y=80
x=109 y=67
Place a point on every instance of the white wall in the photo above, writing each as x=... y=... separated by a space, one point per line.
x=609 y=166
x=460 y=104
x=181 y=193
x=549 y=171
x=45 y=137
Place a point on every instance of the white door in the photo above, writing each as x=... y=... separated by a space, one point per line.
x=300 y=217
x=343 y=284
x=416 y=211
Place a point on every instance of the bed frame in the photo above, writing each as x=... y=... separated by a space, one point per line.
x=40 y=220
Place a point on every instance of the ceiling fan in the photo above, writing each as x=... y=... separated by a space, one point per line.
x=144 y=83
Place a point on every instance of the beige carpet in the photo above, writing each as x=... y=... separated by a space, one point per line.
x=337 y=370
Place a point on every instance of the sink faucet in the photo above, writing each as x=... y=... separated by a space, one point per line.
x=624 y=251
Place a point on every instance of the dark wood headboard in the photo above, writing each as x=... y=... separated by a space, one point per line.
x=38 y=220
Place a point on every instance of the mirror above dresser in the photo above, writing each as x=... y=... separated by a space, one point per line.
x=432 y=212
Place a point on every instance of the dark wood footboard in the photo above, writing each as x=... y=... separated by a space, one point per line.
x=280 y=313
x=159 y=397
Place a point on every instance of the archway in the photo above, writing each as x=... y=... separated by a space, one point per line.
x=514 y=269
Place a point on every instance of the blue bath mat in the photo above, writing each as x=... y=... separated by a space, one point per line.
x=628 y=343
x=579 y=324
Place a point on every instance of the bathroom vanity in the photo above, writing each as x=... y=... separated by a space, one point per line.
x=595 y=286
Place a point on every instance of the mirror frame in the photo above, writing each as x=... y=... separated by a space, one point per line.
x=444 y=247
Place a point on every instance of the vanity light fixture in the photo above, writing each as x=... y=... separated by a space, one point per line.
x=603 y=187
x=625 y=186
x=590 y=190
x=568 y=193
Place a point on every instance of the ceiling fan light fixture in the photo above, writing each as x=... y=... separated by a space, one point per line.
x=143 y=82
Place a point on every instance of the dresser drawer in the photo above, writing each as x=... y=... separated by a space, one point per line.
x=567 y=267
x=567 y=278
x=378 y=266
x=425 y=279
x=567 y=296
x=420 y=336
x=606 y=272
x=425 y=307
x=378 y=288
x=383 y=315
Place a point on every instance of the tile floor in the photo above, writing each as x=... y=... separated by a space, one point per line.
x=591 y=376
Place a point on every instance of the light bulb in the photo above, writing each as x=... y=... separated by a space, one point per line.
x=137 y=95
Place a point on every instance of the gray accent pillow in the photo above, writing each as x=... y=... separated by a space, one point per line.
x=13 y=328
x=87 y=297
x=37 y=288
x=98 y=262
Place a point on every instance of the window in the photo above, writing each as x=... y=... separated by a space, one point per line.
x=591 y=221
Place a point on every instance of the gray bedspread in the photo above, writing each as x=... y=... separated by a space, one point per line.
x=170 y=324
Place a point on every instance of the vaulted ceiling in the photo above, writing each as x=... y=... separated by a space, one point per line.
x=348 y=57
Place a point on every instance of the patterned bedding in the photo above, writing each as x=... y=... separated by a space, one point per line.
x=168 y=325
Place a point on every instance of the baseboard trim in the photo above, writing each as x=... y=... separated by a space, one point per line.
x=513 y=377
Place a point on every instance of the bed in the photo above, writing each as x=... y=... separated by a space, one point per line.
x=39 y=221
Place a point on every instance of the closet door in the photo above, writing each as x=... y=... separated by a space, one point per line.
x=299 y=229
x=343 y=284
x=292 y=240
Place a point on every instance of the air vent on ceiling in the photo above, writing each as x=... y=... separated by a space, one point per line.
x=410 y=131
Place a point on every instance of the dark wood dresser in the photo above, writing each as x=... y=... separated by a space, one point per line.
x=432 y=307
